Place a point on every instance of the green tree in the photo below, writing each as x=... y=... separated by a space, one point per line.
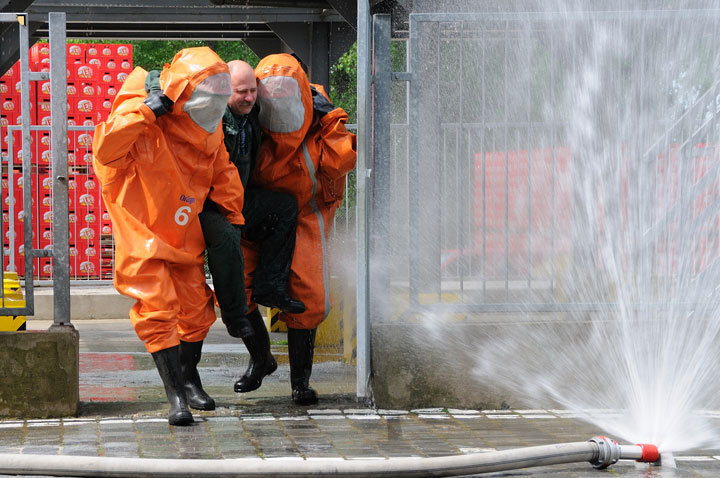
x=153 y=54
x=343 y=83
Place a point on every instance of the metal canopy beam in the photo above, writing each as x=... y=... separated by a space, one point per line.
x=263 y=47
x=275 y=3
x=166 y=31
x=9 y=34
x=319 y=66
x=318 y=45
x=326 y=27
x=342 y=36
x=347 y=10
x=151 y=13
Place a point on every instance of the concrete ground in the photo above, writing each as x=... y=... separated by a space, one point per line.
x=123 y=414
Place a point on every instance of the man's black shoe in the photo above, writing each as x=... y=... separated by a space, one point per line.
x=280 y=300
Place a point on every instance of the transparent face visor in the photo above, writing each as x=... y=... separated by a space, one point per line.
x=206 y=105
x=281 y=106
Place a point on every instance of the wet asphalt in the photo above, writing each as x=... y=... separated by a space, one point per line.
x=123 y=414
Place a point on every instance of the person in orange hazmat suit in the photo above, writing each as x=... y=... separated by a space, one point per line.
x=307 y=152
x=158 y=157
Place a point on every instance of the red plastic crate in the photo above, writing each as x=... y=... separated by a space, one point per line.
x=105 y=103
x=92 y=252
x=85 y=120
x=19 y=263
x=92 y=51
x=89 y=268
x=45 y=200
x=45 y=268
x=10 y=103
x=82 y=107
x=76 y=52
x=84 y=72
x=72 y=219
x=83 y=157
x=91 y=219
x=84 y=140
x=45 y=216
x=44 y=183
x=39 y=52
x=88 y=201
x=88 y=233
x=12 y=72
x=91 y=185
x=121 y=76
x=96 y=62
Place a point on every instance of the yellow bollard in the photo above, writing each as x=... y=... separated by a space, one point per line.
x=12 y=297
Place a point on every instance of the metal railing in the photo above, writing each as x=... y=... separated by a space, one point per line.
x=487 y=194
x=58 y=179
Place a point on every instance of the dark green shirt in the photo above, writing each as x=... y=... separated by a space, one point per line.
x=243 y=154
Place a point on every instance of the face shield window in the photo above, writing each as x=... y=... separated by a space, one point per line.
x=281 y=107
x=206 y=105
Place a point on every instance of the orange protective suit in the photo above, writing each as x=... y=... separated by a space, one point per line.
x=307 y=156
x=155 y=175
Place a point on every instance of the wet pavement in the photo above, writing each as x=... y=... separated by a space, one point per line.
x=123 y=414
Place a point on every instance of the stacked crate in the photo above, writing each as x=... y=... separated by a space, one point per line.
x=95 y=73
x=11 y=151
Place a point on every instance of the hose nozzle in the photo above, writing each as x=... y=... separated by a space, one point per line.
x=609 y=452
x=650 y=453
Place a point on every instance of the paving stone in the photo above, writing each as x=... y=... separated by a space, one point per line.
x=80 y=450
x=266 y=423
x=39 y=450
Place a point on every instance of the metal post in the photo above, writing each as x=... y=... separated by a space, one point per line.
x=26 y=162
x=381 y=171
x=363 y=197
x=59 y=147
x=424 y=209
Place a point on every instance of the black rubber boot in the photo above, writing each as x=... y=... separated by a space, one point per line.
x=237 y=325
x=190 y=353
x=262 y=362
x=301 y=347
x=168 y=365
x=280 y=300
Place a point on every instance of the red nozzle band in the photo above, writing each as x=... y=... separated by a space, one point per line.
x=650 y=453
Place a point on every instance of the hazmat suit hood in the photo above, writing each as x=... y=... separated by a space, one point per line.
x=285 y=100
x=198 y=82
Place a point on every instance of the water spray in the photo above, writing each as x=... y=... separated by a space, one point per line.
x=600 y=451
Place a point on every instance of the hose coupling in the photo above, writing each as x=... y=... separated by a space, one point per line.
x=608 y=452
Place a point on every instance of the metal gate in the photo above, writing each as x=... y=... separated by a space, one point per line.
x=59 y=171
x=539 y=162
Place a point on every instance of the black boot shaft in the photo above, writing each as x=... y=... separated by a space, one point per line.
x=190 y=353
x=262 y=363
x=167 y=362
x=301 y=349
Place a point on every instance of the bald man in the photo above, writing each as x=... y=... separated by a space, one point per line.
x=270 y=221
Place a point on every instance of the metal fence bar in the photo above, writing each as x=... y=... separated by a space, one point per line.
x=364 y=111
x=572 y=307
x=26 y=166
x=529 y=17
x=413 y=153
x=379 y=244
x=483 y=170
x=494 y=131
x=507 y=160
x=59 y=148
